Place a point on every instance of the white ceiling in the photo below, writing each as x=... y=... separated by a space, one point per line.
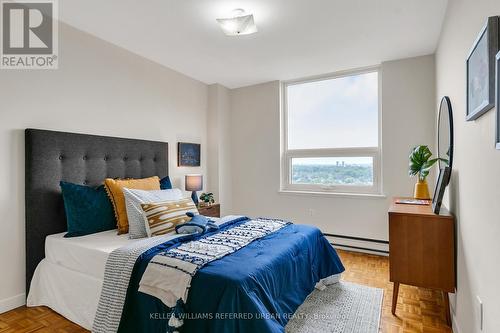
x=296 y=38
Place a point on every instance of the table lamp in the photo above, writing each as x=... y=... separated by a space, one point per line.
x=194 y=183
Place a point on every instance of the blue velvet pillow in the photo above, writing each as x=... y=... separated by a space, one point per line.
x=165 y=183
x=88 y=209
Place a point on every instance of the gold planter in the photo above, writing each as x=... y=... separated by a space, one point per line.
x=421 y=190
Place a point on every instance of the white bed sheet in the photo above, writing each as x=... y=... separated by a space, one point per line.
x=85 y=254
x=88 y=254
x=72 y=294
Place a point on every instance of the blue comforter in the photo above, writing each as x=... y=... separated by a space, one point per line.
x=255 y=289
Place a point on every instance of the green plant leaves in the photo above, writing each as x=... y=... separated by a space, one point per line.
x=420 y=162
x=207 y=197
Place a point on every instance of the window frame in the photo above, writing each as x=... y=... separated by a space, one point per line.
x=288 y=154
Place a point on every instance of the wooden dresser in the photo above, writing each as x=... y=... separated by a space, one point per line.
x=211 y=211
x=421 y=249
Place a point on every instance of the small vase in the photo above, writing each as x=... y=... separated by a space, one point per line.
x=421 y=190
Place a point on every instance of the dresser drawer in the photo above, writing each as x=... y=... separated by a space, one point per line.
x=211 y=211
x=422 y=251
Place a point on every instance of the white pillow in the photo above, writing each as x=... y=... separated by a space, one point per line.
x=134 y=199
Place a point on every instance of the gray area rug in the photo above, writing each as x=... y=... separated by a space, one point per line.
x=341 y=308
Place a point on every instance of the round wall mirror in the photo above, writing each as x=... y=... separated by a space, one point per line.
x=445 y=134
x=445 y=151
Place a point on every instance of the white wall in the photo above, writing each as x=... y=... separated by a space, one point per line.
x=474 y=192
x=100 y=89
x=219 y=141
x=408 y=102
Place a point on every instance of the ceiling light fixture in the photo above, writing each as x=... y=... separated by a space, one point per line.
x=240 y=23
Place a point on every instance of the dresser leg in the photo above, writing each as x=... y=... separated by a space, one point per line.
x=395 y=291
x=447 y=308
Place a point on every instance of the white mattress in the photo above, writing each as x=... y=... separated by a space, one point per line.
x=85 y=254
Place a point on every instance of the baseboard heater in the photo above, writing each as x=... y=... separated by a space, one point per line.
x=359 y=239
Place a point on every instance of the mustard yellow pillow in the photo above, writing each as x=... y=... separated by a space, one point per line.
x=114 y=187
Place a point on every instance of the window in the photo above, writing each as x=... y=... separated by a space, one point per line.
x=330 y=129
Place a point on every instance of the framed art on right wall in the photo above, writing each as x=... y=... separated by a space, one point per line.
x=497 y=94
x=481 y=71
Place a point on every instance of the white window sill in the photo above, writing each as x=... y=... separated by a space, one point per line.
x=333 y=194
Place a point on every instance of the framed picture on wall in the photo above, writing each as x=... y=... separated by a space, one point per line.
x=188 y=154
x=481 y=71
x=497 y=94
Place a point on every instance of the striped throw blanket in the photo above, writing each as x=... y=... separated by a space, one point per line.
x=117 y=274
x=168 y=275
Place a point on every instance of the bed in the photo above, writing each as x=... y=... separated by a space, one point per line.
x=70 y=262
x=74 y=261
x=72 y=275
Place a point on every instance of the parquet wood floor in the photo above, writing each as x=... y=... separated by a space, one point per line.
x=419 y=310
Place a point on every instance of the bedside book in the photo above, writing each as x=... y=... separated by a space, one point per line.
x=413 y=202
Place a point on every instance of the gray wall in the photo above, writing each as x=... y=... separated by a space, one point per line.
x=474 y=192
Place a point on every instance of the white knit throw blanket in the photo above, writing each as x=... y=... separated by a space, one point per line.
x=168 y=274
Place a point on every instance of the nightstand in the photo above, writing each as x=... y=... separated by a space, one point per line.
x=211 y=211
x=422 y=250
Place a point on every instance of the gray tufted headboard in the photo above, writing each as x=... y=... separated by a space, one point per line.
x=81 y=159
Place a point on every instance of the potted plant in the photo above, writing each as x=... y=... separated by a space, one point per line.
x=207 y=199
x=420 y=165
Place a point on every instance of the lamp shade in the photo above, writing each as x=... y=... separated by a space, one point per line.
x=194 y=182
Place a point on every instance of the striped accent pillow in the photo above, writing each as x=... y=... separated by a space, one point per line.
x=162 y=217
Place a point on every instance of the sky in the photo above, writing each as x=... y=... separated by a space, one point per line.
x=334 y=113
